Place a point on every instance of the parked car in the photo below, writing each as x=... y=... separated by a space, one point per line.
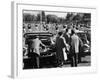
x=47 y=56
x=86 y=39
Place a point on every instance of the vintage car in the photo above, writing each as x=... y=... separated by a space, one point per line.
x=47 y=56
x=86 y=39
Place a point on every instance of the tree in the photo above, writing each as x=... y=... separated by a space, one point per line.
x=38 y=17
x=69 y=16
x=26 y=17
x=61 y=20
x=29 y=18
x=43 y=16
x=52 y=18
x=77 y=17
x=87 y=16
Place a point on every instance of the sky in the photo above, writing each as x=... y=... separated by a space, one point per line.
x=59 y=14
x=31 y=12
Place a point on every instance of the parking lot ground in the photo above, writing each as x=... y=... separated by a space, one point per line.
x=86 y=61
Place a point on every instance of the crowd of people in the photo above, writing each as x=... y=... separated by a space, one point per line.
x=50 y=27
x=65 y=38
x=67 y=47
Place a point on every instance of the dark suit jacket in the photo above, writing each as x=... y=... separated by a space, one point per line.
x=59 y=46
x=67 y=38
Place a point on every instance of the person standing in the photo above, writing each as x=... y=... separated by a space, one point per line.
x=35 y=49
x=74 y=50
x=29 y=28
x=67 y=37
x=60 y=45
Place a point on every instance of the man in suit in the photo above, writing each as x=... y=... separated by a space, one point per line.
x=74 y=50
x=60 y=45
x=67 y=37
